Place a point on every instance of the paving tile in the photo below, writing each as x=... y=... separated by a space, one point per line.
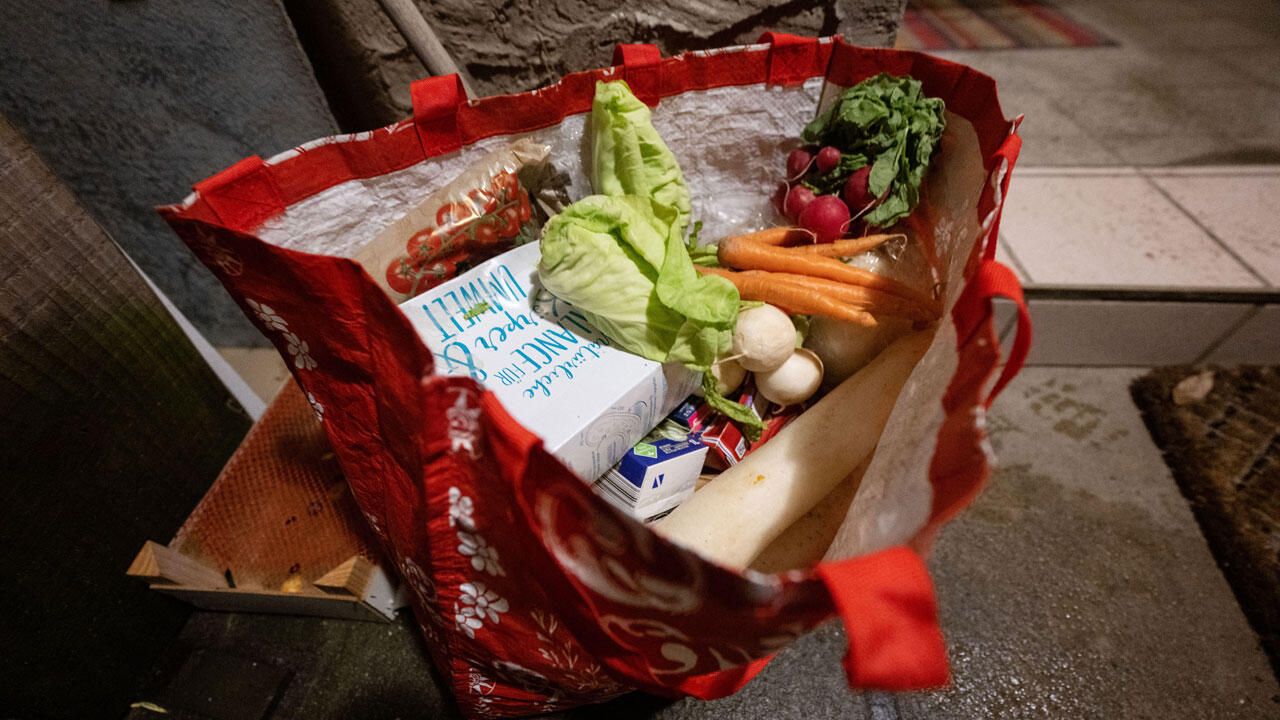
x=1128 y=110
x=1202 y=32
x=1117 y=231
x=1079 y=585
x=1200 y=148
x=1256 y=341
x=1116 y=333
x=1008 y=67
x=1261 y=65
x=1241 y=211
x=1065 y=150
x=1231 y=109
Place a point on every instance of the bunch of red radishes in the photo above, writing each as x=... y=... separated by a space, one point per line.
x=828 y=217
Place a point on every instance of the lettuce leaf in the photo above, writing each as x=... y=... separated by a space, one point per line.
x=628 y=157
x=620 y=256
x=606 y=257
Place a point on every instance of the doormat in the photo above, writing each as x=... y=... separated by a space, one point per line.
x=1219 y=431
x=991 y=25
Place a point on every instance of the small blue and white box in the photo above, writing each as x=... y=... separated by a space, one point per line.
x=654 y=477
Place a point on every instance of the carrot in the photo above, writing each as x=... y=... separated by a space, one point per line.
x=792 y=298
x=845 y=248
x=749 y=255
x=778 y=236
x=863 y=298
x=856 y=296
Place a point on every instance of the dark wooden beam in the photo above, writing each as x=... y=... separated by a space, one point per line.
x=111 y=428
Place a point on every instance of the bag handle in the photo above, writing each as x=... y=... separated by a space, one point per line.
x=791 y=57
x=640 y=66
x=243 y=195
x=994 y=279
x=436 y=101
x=1006 y=155
x=886 y=601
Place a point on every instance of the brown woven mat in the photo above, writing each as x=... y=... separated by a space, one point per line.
x=1219 y=430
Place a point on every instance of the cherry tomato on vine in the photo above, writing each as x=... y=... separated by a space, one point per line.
x=400 y=277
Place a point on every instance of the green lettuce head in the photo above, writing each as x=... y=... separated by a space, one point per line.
x=628 y=157
x=634 y=281
x=620 y=257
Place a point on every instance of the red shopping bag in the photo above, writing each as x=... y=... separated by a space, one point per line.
x=533 y=593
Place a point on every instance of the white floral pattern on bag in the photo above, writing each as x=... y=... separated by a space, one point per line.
x=464 y=422
x=578 y=672
x=483 y=555
x=479 y=684
x=315 y=405
x=484 y=603
x=296 y=346
x=268 y=316
x=298 y=349
x=209 y=251
x=460 y=509
x=616 y=570
x=375 y=523
x=465 y=620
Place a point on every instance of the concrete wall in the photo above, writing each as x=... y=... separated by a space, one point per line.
x=132 y=102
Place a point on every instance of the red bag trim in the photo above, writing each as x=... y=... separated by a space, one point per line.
x=641 y=65
x=315 y=167
x=243 y=195
x=297 y=175
x=791 y=57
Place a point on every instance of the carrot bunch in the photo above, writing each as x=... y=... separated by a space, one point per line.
x=810 y=279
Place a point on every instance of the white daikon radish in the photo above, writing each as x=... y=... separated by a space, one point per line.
x=737 y=515
x=804 y=543
x=844 y=347
x=763 y=338
x=795 y=381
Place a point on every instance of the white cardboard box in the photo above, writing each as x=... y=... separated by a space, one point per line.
x=555 y=373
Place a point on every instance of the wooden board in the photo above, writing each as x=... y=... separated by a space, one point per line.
x=113 y=427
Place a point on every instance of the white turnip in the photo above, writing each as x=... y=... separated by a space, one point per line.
x=763 y=339
x=792 y=382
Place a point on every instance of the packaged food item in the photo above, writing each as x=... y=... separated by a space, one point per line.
x=653 y=478
x=484 y=211
x=692 y=414
x=726 y=444
x=556 y=374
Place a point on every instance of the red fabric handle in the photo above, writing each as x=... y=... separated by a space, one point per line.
x=243 y=195
x=435 y=113
x=887 y=603
x=994 y=279
x=791 y=57
x=640 y=64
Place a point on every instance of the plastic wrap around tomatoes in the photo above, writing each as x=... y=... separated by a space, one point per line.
x=486 y=222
